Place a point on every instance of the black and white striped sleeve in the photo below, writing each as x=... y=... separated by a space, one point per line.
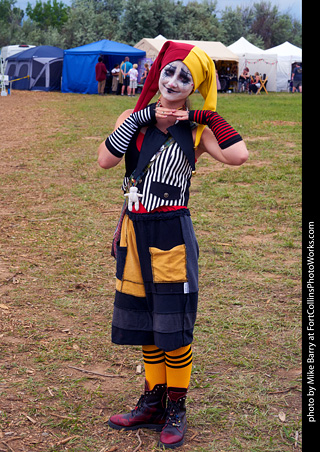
x=118 y=142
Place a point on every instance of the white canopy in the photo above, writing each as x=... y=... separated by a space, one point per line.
x=216 y=50
x=244 y=46
x=257 y=60
x=286 y=49
x=287 y=54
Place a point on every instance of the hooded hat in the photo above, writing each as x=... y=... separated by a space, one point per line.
x=199 y=64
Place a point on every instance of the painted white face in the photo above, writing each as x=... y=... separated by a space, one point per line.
x=175 y=82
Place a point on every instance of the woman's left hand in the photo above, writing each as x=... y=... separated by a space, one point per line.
x=162 y=112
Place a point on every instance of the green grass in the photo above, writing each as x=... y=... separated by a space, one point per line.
x=58 y=213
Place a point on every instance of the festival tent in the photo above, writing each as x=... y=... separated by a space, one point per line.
x=216 y=50
x=244 y=46
x=256 y=60
x=43 y=65
x=287 y=55
x=78 y=74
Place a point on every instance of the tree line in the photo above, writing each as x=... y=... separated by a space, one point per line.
x=54 y=23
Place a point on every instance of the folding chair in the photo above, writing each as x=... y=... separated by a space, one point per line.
x=263 y=82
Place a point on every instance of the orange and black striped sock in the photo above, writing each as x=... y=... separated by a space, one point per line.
x=178 y=367
x=154 y=365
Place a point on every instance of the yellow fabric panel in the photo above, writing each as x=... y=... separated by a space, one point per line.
x=130 y=288
x=132 y=282
x=169 y=266
x=203 y=72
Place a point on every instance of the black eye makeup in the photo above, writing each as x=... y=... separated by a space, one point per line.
x=184 y=76
x=169 y=72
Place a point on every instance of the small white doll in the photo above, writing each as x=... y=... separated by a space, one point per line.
x=133 y=198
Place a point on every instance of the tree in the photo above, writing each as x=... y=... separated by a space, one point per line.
x=90 y=21
x=54 y=23
x=46 y=15
x=164 y=13
x=196 y=21
x=138 y=21
x=237 y=23
x=295 y=36
x=273 y=27
x=10 y=21
x=114 y=8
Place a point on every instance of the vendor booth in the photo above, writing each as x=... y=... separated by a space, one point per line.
x=78 y=75
x=38 y=68
x=287 y=55
x=256 y=60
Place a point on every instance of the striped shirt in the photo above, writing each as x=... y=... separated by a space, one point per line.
x=167 y=181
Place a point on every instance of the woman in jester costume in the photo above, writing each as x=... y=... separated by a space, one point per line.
x=155 y=246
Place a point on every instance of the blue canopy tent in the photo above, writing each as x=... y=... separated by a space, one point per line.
x=43 y=65
x=78 y=74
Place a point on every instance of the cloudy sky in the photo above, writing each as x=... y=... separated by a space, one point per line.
x=294 y=7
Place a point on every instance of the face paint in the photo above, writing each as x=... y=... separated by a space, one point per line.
x=175 y=81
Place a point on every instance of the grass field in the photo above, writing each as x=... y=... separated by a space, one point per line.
x=61 y=377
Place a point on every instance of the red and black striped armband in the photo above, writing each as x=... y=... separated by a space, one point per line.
x=224 y=133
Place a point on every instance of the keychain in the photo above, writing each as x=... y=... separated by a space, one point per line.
x=133 y=198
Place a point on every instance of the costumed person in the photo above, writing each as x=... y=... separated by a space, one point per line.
x=155 y=245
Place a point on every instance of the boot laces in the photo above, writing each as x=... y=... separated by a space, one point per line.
x=173 y=417
x=139 y=405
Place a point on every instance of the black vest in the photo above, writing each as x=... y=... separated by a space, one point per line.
x=167 y=181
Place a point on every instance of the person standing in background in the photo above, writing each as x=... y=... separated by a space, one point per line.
x=115 y=78
x=101 y=75
x=133 y=74
x=145 y=73
x=120 y=81
x=125 y=68
x=297 y=78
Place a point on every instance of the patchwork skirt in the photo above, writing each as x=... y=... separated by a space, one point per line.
x=156 y=280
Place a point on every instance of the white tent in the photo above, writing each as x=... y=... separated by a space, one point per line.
x=216 y=50
x=287 y=54
x=257 y=60
x=244 y=46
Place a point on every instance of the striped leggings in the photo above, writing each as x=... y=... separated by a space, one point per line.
x=171 y=368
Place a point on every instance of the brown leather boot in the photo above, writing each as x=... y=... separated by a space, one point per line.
x=175 y=427
x=149 y=412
